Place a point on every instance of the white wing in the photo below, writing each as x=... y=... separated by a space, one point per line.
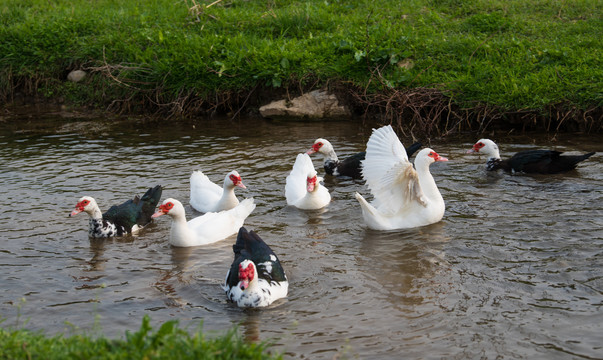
x=204 y=193
x=389 y=175
x=295 y=187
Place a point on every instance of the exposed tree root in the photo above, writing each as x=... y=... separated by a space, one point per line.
x=428 y=111
x=418 y=112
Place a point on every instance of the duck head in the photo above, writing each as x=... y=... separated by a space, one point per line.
x=247 y=274
x=88 y=205
x=428 y=156
x=312 y=181
x=486 y=147
x=324 y=147
x=171 y=207
x=233 y=179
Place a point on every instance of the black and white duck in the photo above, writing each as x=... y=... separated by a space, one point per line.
x=119 y=220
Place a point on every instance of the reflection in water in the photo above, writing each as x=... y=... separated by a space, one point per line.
x=179 y=273
x=251 y=326
x=402 y=262
x=97 y=246
x=181 y=259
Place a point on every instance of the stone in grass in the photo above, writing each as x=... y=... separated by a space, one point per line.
x=76 y=75
x=317 y=104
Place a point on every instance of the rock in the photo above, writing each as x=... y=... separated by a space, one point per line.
x=76 y=75
x=317 y=104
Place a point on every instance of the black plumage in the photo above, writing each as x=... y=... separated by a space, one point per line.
x=538 y=161
x=249 y=246
x=527 y=161
x=137 y=211
x=350 y=166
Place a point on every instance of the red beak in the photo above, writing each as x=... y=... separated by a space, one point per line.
x=244 y=284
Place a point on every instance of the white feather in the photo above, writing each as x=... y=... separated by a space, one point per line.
x=397 y=188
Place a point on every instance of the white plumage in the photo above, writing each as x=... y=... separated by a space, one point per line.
x=204 y=229
x=403 y=197
x=303 y=189
x=206 y=196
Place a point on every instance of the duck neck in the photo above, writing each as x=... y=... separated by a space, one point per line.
x=180 y=234
x=493 y=155
x=253 y=284
x=95 y=213
x=228 y=199
x=428 y=184
x=330 y=155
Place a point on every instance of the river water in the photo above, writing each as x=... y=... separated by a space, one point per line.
x=514 y=270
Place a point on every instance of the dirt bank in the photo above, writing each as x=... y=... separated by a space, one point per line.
x=416 y=112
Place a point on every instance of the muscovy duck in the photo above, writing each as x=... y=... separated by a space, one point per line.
x=403 y=197
x=349 y=166
x=207 y=196
x=256 y=277
x=303 y=189
x=204 y=229
x=119 y=220
x=528 y=161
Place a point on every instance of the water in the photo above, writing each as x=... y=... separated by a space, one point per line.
x=512 y=271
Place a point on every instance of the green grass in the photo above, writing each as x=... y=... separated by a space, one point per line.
x=167 y=342
x=510 y=54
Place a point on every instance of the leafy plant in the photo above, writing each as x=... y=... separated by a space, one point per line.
x=169 y=341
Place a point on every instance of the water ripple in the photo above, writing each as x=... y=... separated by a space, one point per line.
x=515 y=258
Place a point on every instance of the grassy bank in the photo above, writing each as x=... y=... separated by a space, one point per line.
x=445 y=60
x=167 y=342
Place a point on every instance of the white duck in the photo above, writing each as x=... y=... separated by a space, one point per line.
x=204 y=229
x=303 y=189
x=207 y=196
x=403 y=197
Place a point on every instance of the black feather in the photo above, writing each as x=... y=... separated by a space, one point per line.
x=137 y=211
x=541 y=162
x=413 y=149
x=249 y=246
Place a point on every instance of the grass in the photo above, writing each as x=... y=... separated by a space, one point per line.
x=167 y=342
x=184 y=56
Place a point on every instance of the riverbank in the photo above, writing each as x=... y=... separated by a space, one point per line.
x=437 y=66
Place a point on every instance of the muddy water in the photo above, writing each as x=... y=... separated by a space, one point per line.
x=514 y=270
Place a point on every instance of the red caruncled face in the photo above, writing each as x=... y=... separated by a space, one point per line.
x=245 y=275
x=311 y=183
x=82 y=204
x=436 y=157
x=236 y=180
x=478 y=146
x=317 y=146
x=166 y=207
